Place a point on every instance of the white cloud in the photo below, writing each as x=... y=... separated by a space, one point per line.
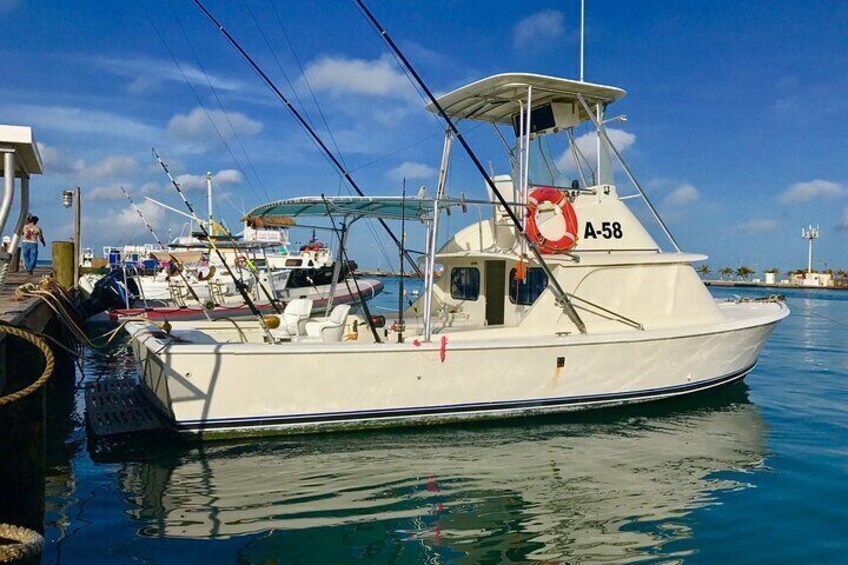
x=149 y=74
x=78 y=121
x=410 y=170
x=588 y=146
x=757 y=226
x=341 y=76
x=106 y=193
x=221 y=178
x=126 y=225
x=150 y=187
x=55 y=161
x=129 y=221
x=804 y=191
x=52 y=159
x=538 y=29
x=681 y=196
x=200 y=125
x=107 y=168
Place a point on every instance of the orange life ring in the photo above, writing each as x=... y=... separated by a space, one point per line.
x=551 y=221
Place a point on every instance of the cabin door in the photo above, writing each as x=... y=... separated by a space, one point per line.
x=495 y=292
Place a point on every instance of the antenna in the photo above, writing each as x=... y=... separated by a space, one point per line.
x=582 y=34
x=811 y=234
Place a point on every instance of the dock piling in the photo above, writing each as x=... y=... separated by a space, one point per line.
x=63 y=263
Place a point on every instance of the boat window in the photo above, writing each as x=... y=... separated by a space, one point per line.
x=293 y=262
x=465 y=283
x=526 y=292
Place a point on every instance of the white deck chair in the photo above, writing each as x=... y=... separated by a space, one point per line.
x=330 y=329
x=295 y=315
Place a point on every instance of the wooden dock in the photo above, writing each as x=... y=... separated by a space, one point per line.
x=23 y=422
x=30 y=312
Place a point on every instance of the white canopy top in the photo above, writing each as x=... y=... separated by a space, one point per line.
x=22 y=141
x=495 y=98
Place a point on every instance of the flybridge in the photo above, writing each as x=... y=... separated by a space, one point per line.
x=499 y=99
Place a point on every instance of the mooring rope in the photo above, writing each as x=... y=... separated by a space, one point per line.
x=28 y=543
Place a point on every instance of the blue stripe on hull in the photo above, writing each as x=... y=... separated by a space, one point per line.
x=543 y=404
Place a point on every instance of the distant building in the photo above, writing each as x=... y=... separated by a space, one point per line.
x=813 y=279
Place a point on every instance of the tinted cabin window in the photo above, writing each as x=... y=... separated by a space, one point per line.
x=465 y=283
x=527 y=291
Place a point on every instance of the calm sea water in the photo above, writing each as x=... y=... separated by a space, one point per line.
x=755 y=472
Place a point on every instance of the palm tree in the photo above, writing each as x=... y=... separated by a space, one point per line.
x=744 y=272
x=704 y=270
x=725 y=272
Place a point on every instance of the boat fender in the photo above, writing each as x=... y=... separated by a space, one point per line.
x=271 y=322
x=204 y=274
x=521 y=270
x=551 y=222
x=443 y=348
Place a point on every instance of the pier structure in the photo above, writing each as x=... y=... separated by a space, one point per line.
x=21 y=160
x=24 y=403
x=811 y=234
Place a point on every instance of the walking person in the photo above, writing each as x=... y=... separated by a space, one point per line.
x=29 y=246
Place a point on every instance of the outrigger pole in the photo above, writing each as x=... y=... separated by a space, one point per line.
x=561 y=295
x=271 y=300
x=174 y=259
x=304 y=124
x=239 y=284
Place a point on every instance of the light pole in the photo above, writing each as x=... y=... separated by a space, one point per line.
x=811 y=234
x=72 y=198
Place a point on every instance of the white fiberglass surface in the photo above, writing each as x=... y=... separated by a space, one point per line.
x=551 y=222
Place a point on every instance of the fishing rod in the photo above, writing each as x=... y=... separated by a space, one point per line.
x=303 y=123
x=401 y=327
x=239 y=284
x=562 y=296
x=174 y=260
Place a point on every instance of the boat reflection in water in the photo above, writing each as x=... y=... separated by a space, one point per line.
x=591 y=486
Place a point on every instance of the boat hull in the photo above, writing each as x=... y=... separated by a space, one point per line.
x=256 y=389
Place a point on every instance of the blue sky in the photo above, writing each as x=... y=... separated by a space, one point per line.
x=737 y=110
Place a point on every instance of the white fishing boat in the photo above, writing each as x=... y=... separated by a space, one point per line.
x=187 y=281
x=561 y=300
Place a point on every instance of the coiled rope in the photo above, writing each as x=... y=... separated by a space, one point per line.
x=49 y=362
x=28 y=543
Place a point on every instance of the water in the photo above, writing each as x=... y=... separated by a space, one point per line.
x=754 y=472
